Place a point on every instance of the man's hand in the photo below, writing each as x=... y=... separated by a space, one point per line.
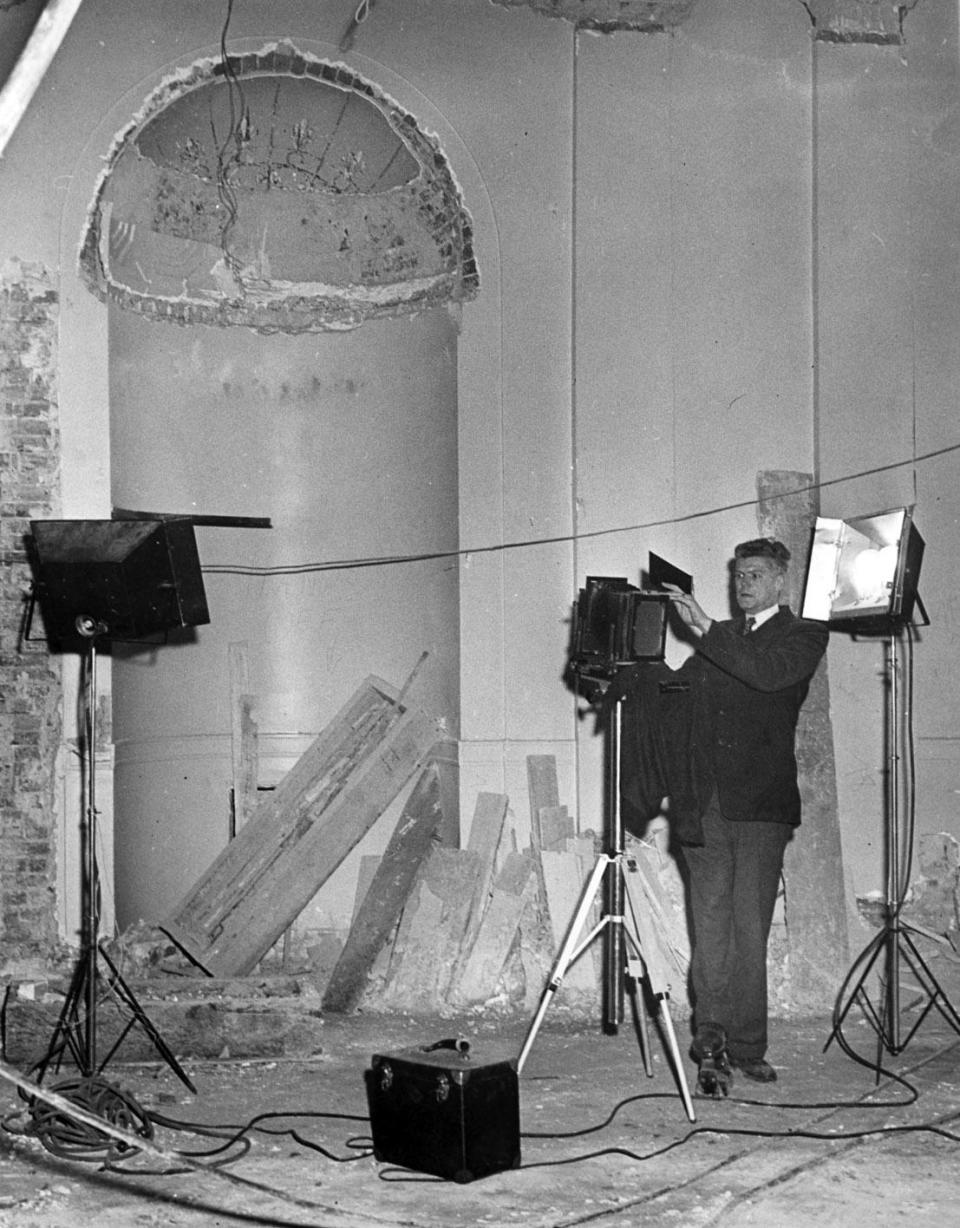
x=691 y=613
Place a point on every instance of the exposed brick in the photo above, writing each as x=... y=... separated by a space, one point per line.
x=29 y=683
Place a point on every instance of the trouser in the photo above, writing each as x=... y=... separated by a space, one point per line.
x=733 y=879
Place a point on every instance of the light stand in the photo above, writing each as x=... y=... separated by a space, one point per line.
x=863 y=575
x=76 y=1028
x=125 y=580
x=632 y=944
x=893 y=946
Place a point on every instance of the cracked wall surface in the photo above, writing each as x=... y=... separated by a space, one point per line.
x=279 y=192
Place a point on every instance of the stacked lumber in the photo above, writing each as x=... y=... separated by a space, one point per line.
x=482 y=925
x=435 y=927
x=478 y=924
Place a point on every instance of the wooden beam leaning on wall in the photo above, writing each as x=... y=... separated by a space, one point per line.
x=244 y=745
x=379 y=912
x=302 y=831
x=514 y=891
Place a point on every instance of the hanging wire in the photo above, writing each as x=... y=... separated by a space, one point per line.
x=559 y=539
x=238 y=131
x=361 y=13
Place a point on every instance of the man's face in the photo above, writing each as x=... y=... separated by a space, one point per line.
x=757 y=583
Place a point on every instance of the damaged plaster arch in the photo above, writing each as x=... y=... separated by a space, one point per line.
x=85 y=419
x=276 y=190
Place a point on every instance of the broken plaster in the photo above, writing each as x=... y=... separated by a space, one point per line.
x=879 y=22
x=409 y=247
x=609 y=16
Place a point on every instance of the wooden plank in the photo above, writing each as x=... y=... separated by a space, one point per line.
x=301 y=832
x=446 y=756
x=366 y=872
x=585 y=846
x=486 y=827
x=383 y=903
x=319 y=842
x=556 y=827
x=565 y=881
x=486 y=833
x=513 y=890
x=543 y=794
x=25 y=76
x=242 y=861
x=243 y=737
x=431 y=931
x=543 y=790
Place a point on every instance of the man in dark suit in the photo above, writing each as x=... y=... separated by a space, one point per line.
x=747 y=681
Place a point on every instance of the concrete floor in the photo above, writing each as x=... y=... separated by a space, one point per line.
x=602 y=1143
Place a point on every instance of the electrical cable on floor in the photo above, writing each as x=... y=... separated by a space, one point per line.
x=69 y=1138
x=233 y=1134
x=935 y=1127
x=76 y=1120
x=78 y=1115
x=741 y=1132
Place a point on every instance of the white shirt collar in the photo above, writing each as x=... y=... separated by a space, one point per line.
x=764 y=616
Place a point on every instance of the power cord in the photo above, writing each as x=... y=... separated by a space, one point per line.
x=67 y=1136
x=93 y=1119
x=937 y=1126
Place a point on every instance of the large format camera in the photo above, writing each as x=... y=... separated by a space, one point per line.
x=615 y=624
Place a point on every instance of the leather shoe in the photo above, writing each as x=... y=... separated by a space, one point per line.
x=710 y=1040
x=708 y=1050
x=714 y=1078
x=756 y=1068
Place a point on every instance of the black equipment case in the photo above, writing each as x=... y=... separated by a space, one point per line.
x=437 y=1110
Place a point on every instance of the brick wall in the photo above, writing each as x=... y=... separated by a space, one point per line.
x=30 y=694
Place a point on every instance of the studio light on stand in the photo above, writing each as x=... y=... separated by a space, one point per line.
x=100 y=580
x=862 y=578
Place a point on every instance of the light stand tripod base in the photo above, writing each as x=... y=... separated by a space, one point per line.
x=76 y=1028
x=896 y=946
x=894 y=942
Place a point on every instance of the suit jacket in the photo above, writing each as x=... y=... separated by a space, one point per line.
x=725 y=721
x=745 y=697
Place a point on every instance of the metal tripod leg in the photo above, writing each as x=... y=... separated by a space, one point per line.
x=656 y=970
x=647 y=950
x=568 y=951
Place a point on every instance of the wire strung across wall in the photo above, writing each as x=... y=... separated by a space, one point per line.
x=351 y=564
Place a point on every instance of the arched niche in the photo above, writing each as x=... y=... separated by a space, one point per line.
x=282 y=253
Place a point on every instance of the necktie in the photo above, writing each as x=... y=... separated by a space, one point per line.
x=748 y=625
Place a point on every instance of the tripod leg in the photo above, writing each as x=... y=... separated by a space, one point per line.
x=928 y=985
x=69 y=1033
x=566 y=954
x=677 y=1061
x=636 y=974
x=656 y=969
x=125 y=993
x=873 y=950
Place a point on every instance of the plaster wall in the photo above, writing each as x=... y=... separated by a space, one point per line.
x=887 y=240
x=693 y=350
x=513 y=351
x=701 y=255
x=349 y=442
